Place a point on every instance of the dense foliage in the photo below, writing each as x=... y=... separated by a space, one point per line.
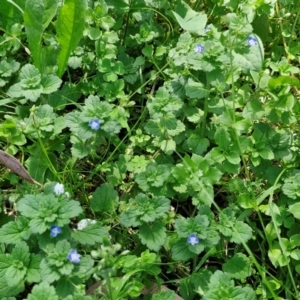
x=161 y=141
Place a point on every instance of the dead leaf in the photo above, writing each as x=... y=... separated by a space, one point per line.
x=15 y=166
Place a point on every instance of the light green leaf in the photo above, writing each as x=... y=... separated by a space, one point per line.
x=153 y=235
x=181 y=252
x=165 y=295
x=15 y=231
x=43 y=291
x=37 y=16
x=190 y=20
x=104 y=198
x=33 y=269
x=168 y=146
x=238 y=266
x=70 y=25
x=266 y=153
x=50 y=83
x=295 y=210
x=90 y=235
x=242 y=232
x=196 y=90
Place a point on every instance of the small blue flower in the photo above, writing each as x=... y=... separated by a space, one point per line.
x=55 y=230
x=94 y=124
x=207 y=29
x=252 y=41
x=74 y=257
x=199 y=48
x=193 y=239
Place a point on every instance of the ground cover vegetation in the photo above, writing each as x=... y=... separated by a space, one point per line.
x=150 y=149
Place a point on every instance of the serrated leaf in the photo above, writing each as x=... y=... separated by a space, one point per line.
x=181 y=252
x=5 y=289
x=168 y=146
x=104 y=198
x=70 y=25
x=153 y=235
x=50 y=83
x=90 y=235
x=15 y=231
x=33 y=269
x=43 y=291
x=196 y=90
x=242 y=232
x=238 y=266
x=165 y=295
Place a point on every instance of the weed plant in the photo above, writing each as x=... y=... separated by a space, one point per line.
x=161 y=141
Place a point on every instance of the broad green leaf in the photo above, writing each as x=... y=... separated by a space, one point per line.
x=238 y=266
x=43 y=291
x=37 y=16
x=5 y=289
x=168 y=146
x=252 y=59
x=222 y=138
x=33 y=269
x=242 y=232
x=153 y=236
x=70 y=25
x=295 y=210
x=104 y=199
x=181 y=252
x=11 y=12
x=90 y=235
x=50 y=83
x=165 y=295
x=266 y=153
x=15 y=231
x=190 y=20
x=283 y=80
x=196 y=90
x=21 y=253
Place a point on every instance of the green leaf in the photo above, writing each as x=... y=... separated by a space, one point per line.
x=154 y=176
x=70 y=25
x=46 y=210
x=181 y=252
x=196 y=90
x=190 y=20
x=50 y=83
x=153 y=235
x=43 y=291
x=266 y=153
x=168 y=146
x=33 y=269
x=144 y=209
x=104 y=199
x=252 y=59
x=238 y=266
x=90 y=235
x=5 y=289
x=37 y=16
x=15 y=231
x=295 y=210
x=222 y=138
x=282 y=81
x=165 y=295
x=242 y=232
x=196 y=144
x=21 y=253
